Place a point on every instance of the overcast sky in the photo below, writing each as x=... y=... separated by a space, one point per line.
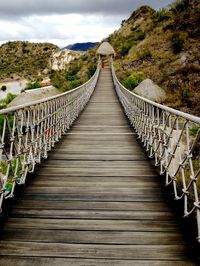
x=63 y=22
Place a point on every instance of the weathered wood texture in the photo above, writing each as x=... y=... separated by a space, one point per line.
x=95 y=201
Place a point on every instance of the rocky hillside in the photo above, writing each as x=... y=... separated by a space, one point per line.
x=25 y=60
x=32 y=61
x=165 y=46
x=161 y=45
x=61 y=58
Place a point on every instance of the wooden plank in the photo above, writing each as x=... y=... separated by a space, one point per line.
x=167 y=252
x=98 y=138
x=123 y=180
x=35 y=261
x=94 y=214
x=92 y=237
x=90 y=205
x=92 y=184
x=97 y=164
x=96 y=172
x=98 y=190
x=99 y=149
x=95 y=156
x=94 y=197
x=93 y=225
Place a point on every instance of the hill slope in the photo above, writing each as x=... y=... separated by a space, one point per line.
x=32 y=61
x=25 y=60
x=164 y=46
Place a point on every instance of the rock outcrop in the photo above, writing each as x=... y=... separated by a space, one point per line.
x=34 y=95
x=148 y=89
x=61 y=58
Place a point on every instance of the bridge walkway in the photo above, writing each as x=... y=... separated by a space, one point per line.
x=95 y=201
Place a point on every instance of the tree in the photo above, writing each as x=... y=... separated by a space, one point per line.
x=4 y=88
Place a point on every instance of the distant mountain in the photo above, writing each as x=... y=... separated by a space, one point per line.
x=81 y=46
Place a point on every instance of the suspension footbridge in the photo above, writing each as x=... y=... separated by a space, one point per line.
x=96 y=199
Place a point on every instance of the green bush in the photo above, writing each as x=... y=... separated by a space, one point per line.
x=34 y=85
x=194 y=130
x=133 y=80
x=143 y=53
x=91 y=69
x=4 y=88
x=1 y=122
x=75 y=83
x=84 y=57
x=185 y=92
x=70 y=76
x=180 y=5
x=139 y=35
x=10 y=97
x=176 y=43
x=74 y=67
x=162 y=15
x=125 y=49
x=3 y=105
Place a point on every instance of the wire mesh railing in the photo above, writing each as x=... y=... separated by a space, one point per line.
x=28 y=133
x=172 y=138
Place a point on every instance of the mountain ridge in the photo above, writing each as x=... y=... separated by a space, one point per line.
x=85 y=46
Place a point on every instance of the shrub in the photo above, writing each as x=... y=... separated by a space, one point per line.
x=123 y=21
x=2 y=104
x=91 y=69
x=70 y=76
x=133 y=80
x=34 y=85
x=75 y=83
x=194 y=130
x=162 y=15
x=1 y=122
x=84 y=57
x=4 y=88
x=180 y=5
x=143 y=53
x=10 y=97
x=176 y=43
x=185 y=92
x=139 y=35
x=74 y=67
x=125 y=49
x=194 y=33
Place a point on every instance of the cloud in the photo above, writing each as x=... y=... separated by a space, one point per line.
x=16 y=8
x=58 y=30
x=62 y=21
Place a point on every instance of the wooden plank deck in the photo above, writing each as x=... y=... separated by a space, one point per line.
x=95 y=201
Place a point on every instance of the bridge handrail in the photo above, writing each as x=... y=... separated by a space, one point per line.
x=29 y=131
x=187 y=116
x=15 y=108
x=172 y=138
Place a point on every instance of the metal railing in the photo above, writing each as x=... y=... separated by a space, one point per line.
x=172 y=138
x=28 y=132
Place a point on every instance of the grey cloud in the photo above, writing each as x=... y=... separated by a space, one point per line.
x=20 y=8
x=50 y=20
